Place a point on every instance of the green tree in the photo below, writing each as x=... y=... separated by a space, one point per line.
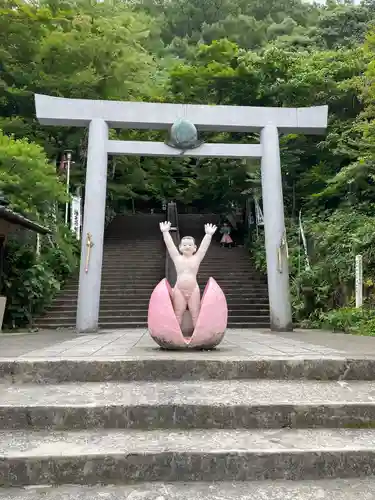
x=27 y=178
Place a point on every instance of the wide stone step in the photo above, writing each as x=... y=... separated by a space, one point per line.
x=239 y=301
x=146 y=279
x=188 y=366
x=119 y=307
x=118 y=322
x=121 y=281
x=125 y=456
x=112 y=312
x=110 y=293
x=134 y=270
x=127 y=318
x=124 y=251
x=129 y=287
x=123 y=305
x=323 y=489
x=232 y=404
x=249 y=323
x=128 y=302
x=126 y=323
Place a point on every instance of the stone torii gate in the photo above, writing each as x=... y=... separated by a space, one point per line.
x=99 y=116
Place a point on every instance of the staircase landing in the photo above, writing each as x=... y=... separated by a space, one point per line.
x=127 y=343
x=284 y=416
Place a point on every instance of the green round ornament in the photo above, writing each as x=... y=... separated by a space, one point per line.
x=183 y=135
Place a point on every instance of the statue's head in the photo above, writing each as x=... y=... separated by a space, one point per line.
x=187 y=246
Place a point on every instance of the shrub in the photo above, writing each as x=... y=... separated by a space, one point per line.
x=30 y=283
x=329 y=282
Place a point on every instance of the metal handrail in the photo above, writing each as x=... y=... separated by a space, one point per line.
x=172 y=217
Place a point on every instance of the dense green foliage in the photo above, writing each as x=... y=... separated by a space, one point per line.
x=254 y=53
x=30 y=282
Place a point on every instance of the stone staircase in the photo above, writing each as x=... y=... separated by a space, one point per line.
x=163 y=426
x=133 y=263
x=246 y=291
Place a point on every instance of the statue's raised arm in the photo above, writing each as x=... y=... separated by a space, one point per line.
x=171 y=247
x=210 y=231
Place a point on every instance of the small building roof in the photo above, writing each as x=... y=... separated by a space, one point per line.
x=19 y=220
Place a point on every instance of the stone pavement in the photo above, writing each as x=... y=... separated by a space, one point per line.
x=137 y=342
x=266 y=416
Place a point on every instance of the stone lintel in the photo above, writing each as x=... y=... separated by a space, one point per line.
x=142 y=115
x=149 y=148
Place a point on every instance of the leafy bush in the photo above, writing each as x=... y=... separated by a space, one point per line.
x=30 y=184
x=30 y=283
x=329 y=282
x=348 y=319
x=63 y=257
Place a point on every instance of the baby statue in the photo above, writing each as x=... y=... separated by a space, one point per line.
x=186 y=293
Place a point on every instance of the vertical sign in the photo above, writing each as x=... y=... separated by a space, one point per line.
x=358 y=281
x=258 y=213
x=304 y=242
x=38 y=245
x=76 y=216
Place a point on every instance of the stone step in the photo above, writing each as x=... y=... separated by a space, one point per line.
x=70 y=323
x=246 y=404
x=224 y=274
x=119 y=306
x=217 y=265
x=125 y=456
x=114 y=314
x=129 y=287
x=131 y=310
x=106 y=321
x=120 y=284
x=109 y=294
x=251 y=300
x=128 y=301
x=253 y=322
x=144 y=293
x=233 y=301
x=140 y=314
x=124 y=258
x=135 y=268
x=322 y=489
x=188 y=366
x=124 y=252
x=123 y=306
x=249 y=317
x=122 y=280
x=153 y=248
x=140 y=321
x=114 y=266
x=152 y=278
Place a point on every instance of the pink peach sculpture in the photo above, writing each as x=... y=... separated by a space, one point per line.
x=170 y=310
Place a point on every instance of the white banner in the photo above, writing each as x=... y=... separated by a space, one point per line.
x=250 y=220
x=303 y=237
x=358 y=281
x=258 y=213
x=76 y=216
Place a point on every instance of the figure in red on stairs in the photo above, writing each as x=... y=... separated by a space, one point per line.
x=167 y=307
x=226 y=239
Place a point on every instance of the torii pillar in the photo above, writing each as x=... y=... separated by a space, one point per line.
x=99 y=116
